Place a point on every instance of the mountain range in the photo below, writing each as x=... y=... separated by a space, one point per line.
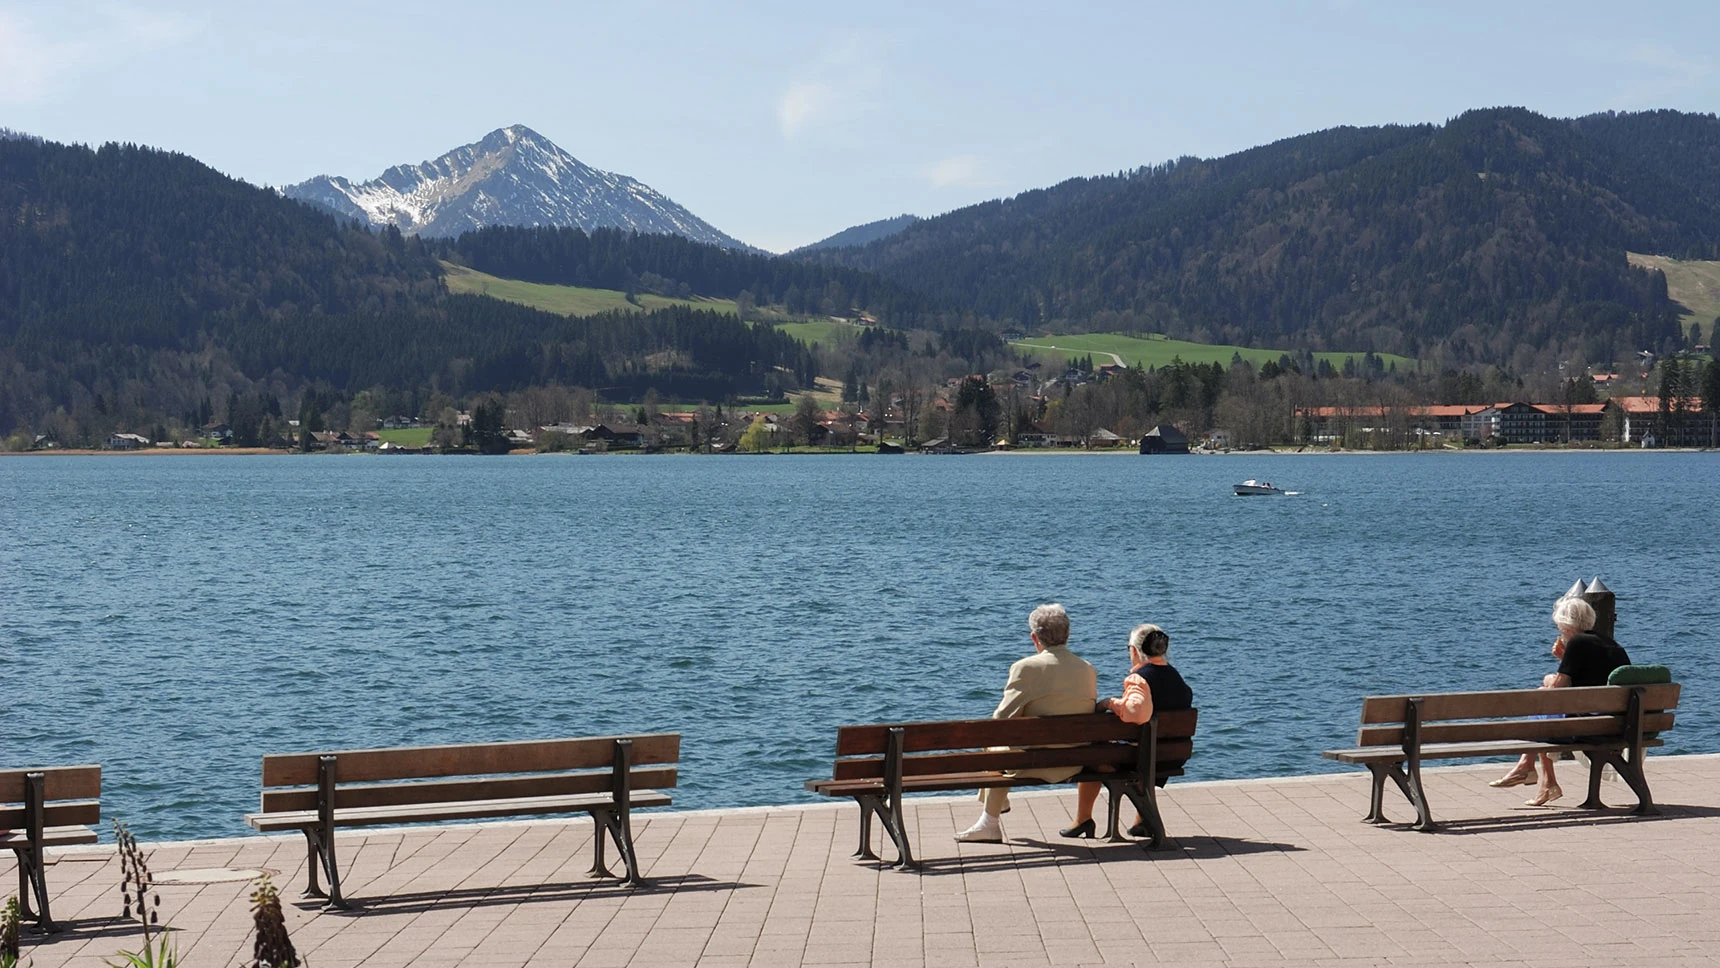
x=1498 y=230
x=513 y=176
x=860 y=234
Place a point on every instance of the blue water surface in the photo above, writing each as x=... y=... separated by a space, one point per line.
x=175 y=618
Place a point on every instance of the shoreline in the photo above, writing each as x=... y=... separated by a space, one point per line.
x=1022 y=452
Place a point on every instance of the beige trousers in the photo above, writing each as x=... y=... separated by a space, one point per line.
x=996 y=799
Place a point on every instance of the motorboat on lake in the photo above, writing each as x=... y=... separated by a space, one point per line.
x=1252 y=488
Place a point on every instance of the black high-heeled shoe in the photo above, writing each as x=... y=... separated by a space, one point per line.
x=1083 y=829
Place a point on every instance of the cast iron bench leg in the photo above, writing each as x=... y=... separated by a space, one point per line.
x=868 y=806
x=33 y=879
x=320 y=847
x=1113 y=809
x=1631 y=769
x=1598 y=760
x=601 y=822
x=1377 y=797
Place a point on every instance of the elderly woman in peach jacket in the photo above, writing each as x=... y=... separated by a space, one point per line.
x=1152 y=684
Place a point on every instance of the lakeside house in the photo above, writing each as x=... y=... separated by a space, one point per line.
x=1627 y=419
x=1164 y=439
x=127 y=441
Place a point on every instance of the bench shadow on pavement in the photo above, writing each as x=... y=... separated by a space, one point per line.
x=1538 y=818
x=479 y=897
x=1030 y=853
x=85 y=929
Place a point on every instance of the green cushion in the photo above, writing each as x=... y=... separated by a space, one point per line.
x=1639 y=675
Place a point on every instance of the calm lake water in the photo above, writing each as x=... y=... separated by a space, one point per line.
x=174 y=619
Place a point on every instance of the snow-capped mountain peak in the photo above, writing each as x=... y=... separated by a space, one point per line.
x=513 y=176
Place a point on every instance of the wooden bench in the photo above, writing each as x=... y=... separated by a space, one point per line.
x=877 y=765
x=607 y=777
x=50 y=806
x=1612 y=725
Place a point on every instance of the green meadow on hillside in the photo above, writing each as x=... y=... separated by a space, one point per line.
x=1157 y=351
x=565 y=300
x=1692 y=284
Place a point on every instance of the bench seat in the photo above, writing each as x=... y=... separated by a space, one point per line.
x=468 y=810
x=51 y=837
x=1363 y=755
x=606 y=776
x=42 y=807
x=1613 y=725
x=877 y=765
x=950 y=782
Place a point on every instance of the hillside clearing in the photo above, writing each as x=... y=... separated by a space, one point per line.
x=1695 y=285
x=1157 y=351
x=565 y=300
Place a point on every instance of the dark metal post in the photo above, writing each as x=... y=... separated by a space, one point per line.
x=1605 y=604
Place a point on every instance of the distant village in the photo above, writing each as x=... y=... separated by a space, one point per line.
x=930 y=422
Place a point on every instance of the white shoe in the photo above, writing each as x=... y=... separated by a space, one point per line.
x=981 y=833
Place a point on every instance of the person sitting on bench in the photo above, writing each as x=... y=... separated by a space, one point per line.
x=1051 y=682
x=1152 y=684
x=1585 y=659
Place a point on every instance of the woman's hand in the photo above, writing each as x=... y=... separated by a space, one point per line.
x=1559 y=647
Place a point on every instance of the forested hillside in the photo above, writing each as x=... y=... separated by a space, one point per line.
x=138 y=285
x=1497 y=233
x=673 y=266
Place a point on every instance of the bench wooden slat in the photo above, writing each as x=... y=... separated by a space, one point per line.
x=1518 y=702
x=51 y=837
x=1022 y=731
x=63 y=813
x=526 y=756
x=955 y=781
x=992 y=761
x=58 y=783
x=1504 y=729
x=510 y=788
x=1391 y=754
x=470 y=810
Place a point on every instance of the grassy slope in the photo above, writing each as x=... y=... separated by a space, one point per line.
x=566 y=300
x=577 y=301
x=409 y=437
x=1155 y=350
x=1694 y=285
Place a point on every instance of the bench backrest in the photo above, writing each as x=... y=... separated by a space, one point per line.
x=71 y=795
x=965 y=746
x=1464 y=717
x=556 y=767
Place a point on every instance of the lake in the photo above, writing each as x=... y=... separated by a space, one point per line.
x=175 y=618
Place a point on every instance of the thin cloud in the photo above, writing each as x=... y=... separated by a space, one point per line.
x=32 y=65
x=963 y=171
x=804 y=102
x=838 y=89
x=1663 y=73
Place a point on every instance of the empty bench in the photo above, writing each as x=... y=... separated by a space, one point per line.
x=607 y=777
x=878 y=765
x=1612 y=725
x=41 y=807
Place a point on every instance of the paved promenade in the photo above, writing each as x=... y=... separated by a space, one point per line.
x=1261 y=872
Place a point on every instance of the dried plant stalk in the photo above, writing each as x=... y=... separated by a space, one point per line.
x=273 y=948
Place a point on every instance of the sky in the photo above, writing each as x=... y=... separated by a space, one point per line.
x=783 y=123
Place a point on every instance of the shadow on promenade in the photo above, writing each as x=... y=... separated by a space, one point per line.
x=1538 y=818
x=1051 y=854
x=478 y=897
x=85 y=929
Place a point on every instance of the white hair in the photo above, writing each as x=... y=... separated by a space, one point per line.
x=1050 y=625
x=1574 y=613
x=1150 y=640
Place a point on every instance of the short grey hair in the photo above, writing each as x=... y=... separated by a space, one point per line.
x=1574 y=613
x=1149 y=640
x=1050 y=625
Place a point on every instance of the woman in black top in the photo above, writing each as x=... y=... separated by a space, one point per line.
x=1152 y=685
x=1586 y=658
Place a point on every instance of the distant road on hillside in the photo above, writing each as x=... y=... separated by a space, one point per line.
x=1064 y=349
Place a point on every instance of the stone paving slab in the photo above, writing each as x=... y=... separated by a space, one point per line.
x=1277 y=872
